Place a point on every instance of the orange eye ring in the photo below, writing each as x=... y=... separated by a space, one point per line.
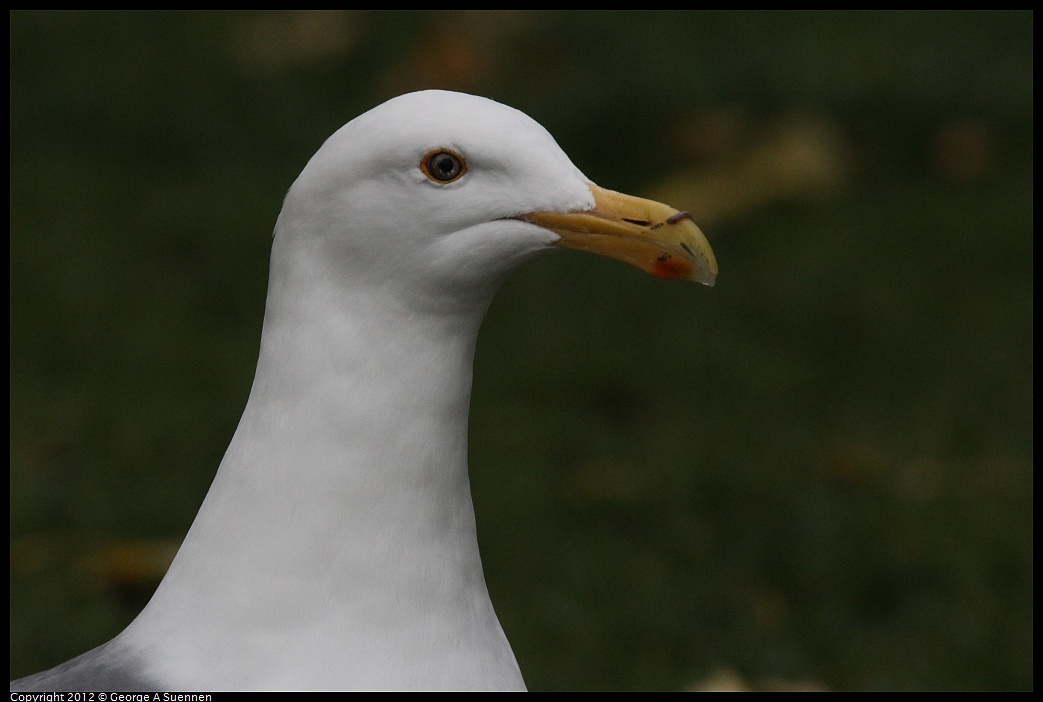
x=443 y=166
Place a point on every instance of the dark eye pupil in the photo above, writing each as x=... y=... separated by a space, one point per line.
x=444 y=166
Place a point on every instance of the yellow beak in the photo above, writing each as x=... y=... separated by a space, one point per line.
x=650 y=235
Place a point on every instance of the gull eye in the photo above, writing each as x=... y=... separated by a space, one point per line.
x=443 y=165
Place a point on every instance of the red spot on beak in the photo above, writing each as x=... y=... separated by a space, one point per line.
x=666 y=267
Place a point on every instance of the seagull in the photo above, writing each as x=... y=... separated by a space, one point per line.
x=336 y=548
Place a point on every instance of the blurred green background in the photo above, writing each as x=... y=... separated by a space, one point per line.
x=816 y=475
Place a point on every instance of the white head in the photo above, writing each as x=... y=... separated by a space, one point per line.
x=380 y=199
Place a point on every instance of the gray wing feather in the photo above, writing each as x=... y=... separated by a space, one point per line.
x=107 y=667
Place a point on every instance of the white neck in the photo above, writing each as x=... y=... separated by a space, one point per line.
x=333 y=550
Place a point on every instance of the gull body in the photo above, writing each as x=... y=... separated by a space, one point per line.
x=336 y=548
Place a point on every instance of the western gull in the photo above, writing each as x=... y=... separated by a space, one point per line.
x=336 y=548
